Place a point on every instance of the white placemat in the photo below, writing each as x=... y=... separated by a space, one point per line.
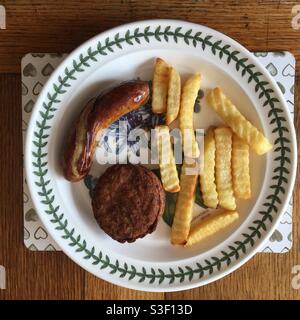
x=36 y=69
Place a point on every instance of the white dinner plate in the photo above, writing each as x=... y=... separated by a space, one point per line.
x=128 y=52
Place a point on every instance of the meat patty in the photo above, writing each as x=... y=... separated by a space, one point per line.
x=127 y=202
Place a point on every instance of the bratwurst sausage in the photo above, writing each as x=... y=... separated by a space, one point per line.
x=99 y=114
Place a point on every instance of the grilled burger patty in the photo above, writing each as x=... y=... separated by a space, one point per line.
x=127 y=202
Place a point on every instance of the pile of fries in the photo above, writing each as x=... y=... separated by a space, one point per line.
x=225 y=176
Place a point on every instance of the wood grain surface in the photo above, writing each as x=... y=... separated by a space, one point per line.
x=60 y=26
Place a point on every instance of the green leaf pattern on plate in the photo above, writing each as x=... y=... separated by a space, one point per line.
x=176 y=273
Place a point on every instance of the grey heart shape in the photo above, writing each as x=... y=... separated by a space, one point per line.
x=40 y=233
x=26 y=234
x=287 y=218
x=32 y=247
x=37 y=88
x=272 y=69
x=260 y=54
x=47 y=70
x=290 y=237
x=292 y=90
x=28 y=106
x=267 y=249
x=31 y=215
x=40 y=55
x=29 y=70
x=276 y=236
x=289 y=70
x=24 y=89
x=50 y=248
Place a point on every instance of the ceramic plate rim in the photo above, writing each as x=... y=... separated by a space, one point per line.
x=145 y=286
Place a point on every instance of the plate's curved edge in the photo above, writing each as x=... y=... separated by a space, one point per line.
x=278 y=93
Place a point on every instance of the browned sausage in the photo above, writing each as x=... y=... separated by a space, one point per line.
x=99 y=114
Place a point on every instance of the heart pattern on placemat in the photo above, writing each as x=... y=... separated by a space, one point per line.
x=287 y=218
x=260 y=54
x=285 y=250
x=267 y=250
x=276 y=236
x=36 y=68
x=50 y=248
x=26 y=234
x=24 y=89
x=32 y=247
x=31 y=215
x=288 y=71
x=29 y=70
x=29 y=106
x=37 y=88
x=47 y=70
x=40 y=233
x=272 y=69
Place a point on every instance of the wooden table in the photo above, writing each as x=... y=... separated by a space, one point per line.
x=60 y=26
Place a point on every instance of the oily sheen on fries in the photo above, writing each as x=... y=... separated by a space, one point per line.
x=174 y=92
x=167 y=166
x=223 y=137
x=184 y=207
x=240 y=168
x=210 y=225
x=207 y=175
x=188 y=98
x=160 y=86
x=237 y=122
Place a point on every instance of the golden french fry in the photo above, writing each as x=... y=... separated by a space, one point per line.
x=210 y=225
x=167 y=165
x=240 y=168
x=160 y=86
x=184 y=207
x=223 y=138
x=174 y=92
x=188 y=98
x=237 y=122
x=207 y=175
